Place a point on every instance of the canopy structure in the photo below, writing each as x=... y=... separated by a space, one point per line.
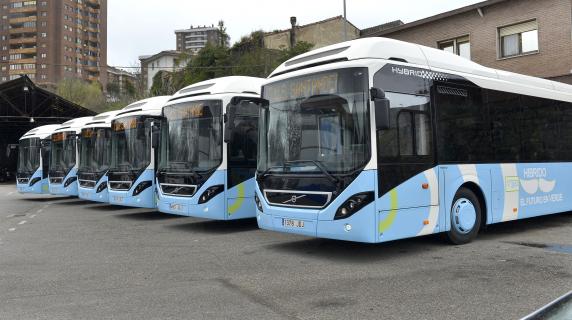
x=24 y=106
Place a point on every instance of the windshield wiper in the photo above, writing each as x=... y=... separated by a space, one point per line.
x=318 y=165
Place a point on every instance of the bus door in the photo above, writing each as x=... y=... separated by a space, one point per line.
x=241 y=135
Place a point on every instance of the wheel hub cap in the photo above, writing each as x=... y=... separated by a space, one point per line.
x=464 y=216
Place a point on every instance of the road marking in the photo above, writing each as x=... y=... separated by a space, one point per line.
x=32 y=216
x=12 y=229
x=10 y=193
x=40 y=211
x=22 y=222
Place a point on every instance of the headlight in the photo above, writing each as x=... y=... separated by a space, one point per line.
x=141 y=187
x=211 y=193
x=70 y=181
x=102 y=187
x=354 y=204
x=35 y=180
x=258 y=204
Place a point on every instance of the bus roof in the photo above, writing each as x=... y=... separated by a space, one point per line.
x=434 y=59
x=150 y=106
x=74 y=124
x=232 y=84
x=40 y=132
x=102 y=120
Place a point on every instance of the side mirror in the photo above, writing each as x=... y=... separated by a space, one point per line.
x=155 y=135
x=382 y=109
x=229 y=122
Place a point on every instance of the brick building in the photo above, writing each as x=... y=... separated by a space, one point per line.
x=52 y=40
x=320 y=33
x=192 y=40
x=531 y=37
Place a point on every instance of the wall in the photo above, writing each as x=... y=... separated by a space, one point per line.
x=555 y=36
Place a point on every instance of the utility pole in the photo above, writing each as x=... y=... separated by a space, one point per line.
x=345 y=23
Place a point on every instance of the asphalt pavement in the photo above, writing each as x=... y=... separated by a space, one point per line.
x=64 y=258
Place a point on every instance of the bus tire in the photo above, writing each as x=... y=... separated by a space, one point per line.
x=465 y=216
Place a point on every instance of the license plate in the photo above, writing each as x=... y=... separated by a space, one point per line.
x=85 y=195
x=117 y=199
x=292 y=223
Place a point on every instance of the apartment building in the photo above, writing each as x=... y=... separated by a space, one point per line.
x=192 y=40
x=168 y=60
x=530 y=37
x=52 y=40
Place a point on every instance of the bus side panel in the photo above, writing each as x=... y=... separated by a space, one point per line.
x=457 y=175
x=400 y=217
x=240 y=200
x=531 y=189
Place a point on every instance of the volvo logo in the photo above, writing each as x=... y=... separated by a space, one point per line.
x=294 y=199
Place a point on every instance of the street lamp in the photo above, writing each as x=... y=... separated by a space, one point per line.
x=345 y=23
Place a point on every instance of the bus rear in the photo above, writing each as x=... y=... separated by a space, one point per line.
x=204 y=172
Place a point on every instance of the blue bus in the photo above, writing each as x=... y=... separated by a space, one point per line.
x=208 y=149
x=375 y=140
x=135 y=133
x=34 y=160
x=62 y=177
x=95 y=157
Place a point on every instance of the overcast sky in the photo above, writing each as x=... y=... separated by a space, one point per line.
x=137 y=27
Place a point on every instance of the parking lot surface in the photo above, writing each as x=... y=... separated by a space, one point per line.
x=64 y=258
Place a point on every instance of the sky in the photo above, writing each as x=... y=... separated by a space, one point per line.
x=138 y=27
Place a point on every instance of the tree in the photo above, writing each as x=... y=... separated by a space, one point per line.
x=224 y=38
x=85 y=94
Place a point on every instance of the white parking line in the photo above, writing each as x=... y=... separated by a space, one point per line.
x=12 y=229
x=10 y=193
x=32 y=216
x=40 y=211
x=22 y=222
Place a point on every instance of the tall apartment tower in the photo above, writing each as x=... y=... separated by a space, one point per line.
x=51 y=40
x=192 y=40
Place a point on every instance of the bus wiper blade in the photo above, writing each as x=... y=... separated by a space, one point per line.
x=266 y=172
x=318 y=165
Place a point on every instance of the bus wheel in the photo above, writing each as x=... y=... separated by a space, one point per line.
x=466 y=217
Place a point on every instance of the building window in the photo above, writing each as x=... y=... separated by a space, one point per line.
x=460 y=46
x=518 y=39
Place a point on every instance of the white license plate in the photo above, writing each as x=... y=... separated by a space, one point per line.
x=118 y=199
x=292 y=223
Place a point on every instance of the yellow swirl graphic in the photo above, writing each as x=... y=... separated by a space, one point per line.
x=390 y=219
x=238 y=202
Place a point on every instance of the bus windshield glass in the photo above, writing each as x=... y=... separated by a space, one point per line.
x=316 y=123
x=29 y=155
x=95 y=150
x=130 y=144
x=63 y=151
x=191 y=136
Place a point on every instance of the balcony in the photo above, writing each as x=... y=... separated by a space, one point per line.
x=23 y=50
x=22 y=71
x=23 y=40
x=22 y=19
x=24 y=9
x=23 y=30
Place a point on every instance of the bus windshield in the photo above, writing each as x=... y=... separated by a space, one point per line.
x=95 y=150
x=29 y=156
x=316 y=123
x=130 y=144
x=191 y=136
x=63 y=151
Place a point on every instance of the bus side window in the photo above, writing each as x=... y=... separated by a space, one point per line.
x=409 y=134
x=243 y=144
